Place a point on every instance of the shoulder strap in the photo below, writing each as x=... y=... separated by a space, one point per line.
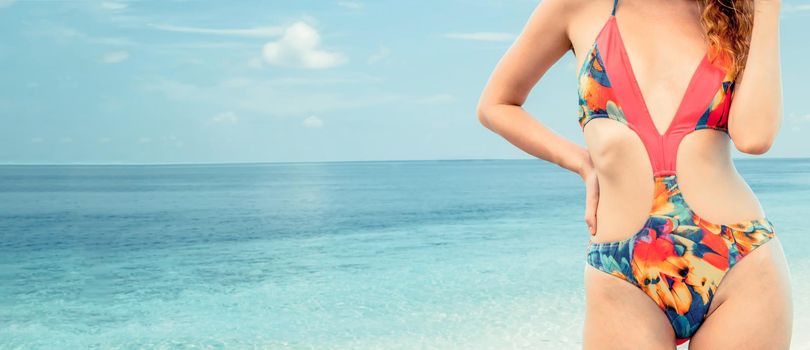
x=614 y=7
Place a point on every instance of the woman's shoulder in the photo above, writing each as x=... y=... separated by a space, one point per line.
x=575 y=6
x=575 y=13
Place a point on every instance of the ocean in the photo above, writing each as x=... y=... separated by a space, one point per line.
x=472 y=254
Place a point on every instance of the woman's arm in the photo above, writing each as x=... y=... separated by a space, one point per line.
x=542 y=42
x=755 y=114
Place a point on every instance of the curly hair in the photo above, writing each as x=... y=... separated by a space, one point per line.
x=728 y=25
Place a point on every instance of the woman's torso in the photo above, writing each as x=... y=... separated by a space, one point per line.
x=663 y=46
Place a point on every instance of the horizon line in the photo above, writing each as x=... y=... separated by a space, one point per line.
x=329 y=161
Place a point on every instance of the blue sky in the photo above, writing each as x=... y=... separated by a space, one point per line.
x=270 y=81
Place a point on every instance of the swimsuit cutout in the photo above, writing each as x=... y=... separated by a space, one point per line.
x=677 y=258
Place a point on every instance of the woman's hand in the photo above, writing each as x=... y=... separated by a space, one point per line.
x=588 y=175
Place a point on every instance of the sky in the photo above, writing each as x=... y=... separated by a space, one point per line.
x=288 y=81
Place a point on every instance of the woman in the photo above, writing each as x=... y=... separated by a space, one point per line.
x=665 y=88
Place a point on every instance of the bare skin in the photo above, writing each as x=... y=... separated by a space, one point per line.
x=753 y=307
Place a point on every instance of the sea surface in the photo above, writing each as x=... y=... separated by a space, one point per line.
x=467 y=254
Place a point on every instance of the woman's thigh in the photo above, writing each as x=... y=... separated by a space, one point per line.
x=619 y=315
x=754 y=306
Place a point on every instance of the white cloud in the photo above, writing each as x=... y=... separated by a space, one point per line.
x=145 y=139
x=114 y=6
x=481 y=36
x=313 y=122
x=114 y=57
x=353 y=5
x=225 y=118
x=380 y=55
x=66 y=139
x=6 y=3
x=300 y=47
x=248 y=32
x=104 y=139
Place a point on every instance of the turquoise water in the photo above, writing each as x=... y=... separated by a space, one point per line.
x=357 y=255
